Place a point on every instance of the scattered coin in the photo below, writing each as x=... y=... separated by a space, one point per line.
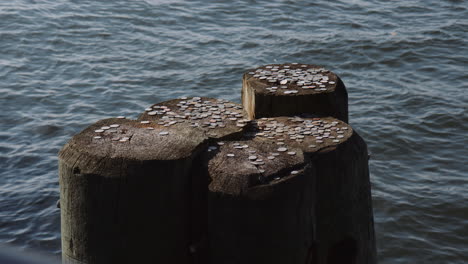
x=282 y=149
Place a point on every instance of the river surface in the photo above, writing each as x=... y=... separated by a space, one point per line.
x=65 y=64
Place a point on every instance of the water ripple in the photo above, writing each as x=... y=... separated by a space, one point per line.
x=66 y=64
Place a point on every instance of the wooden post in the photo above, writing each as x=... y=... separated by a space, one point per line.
x=122 y=199
x=260 y=204
x=343 y=206
x=293 y=89
x=130 y=189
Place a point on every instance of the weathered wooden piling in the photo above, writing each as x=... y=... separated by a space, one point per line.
x=195 y=180
x=260 y=204
x=123 y=200
x=293 y=89
x=344 y=228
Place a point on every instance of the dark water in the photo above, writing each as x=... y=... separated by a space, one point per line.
x=65 y=64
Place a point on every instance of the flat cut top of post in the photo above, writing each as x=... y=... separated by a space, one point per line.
x=116 y=138
x=310 y=134
x=215 y=117
x=292 y=79
x=252 y=169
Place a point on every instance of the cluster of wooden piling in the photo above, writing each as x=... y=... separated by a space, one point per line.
x=281 y=179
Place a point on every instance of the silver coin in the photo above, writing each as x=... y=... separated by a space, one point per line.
x=252 y=157
x=294 y=172
x=114 y=125
x=292 y=153
x=271 y=157
x=230 y=155
x=163 y=133
x=145 y=122
x=99 y=130
x=282 y=149
x=97 y=137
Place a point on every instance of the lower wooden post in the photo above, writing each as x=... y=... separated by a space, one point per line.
x=260 y=209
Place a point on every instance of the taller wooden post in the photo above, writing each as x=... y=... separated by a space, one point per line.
x=293 y=89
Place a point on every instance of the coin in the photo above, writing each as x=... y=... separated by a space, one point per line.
x=282 y=149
